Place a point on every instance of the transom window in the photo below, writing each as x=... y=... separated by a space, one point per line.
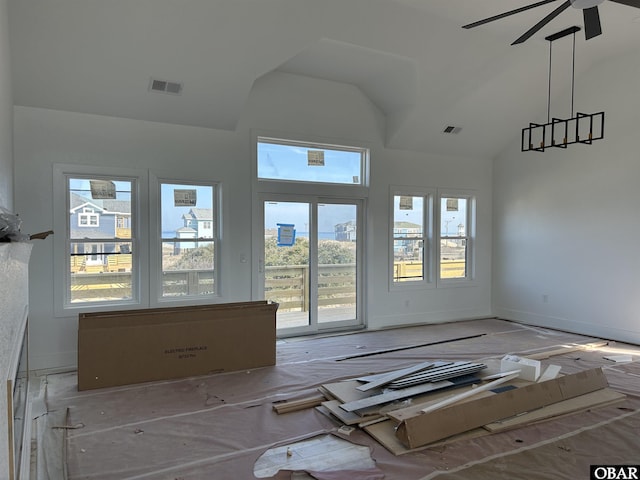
x=306 y=162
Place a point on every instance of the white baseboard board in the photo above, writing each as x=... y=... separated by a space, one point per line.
x=424 y=318
x=604 y=331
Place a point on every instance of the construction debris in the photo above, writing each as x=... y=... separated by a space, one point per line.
x=287 y=406
x=413 y=407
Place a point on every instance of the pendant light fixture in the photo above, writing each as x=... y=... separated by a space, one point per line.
x=558 y=132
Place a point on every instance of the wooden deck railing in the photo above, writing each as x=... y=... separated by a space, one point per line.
x=407 y=271
x=288 y=285
x=105 y=285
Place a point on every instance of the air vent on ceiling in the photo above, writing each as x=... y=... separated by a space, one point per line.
x=173 y=88
x=451 y=129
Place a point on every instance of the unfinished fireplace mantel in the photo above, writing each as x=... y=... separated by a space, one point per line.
x=14 y=301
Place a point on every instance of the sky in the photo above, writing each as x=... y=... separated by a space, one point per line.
x=450 y=219
x=288 y=162
x=297 y=213
x=171 y=214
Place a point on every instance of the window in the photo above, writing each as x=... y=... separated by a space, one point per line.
x=309 y=236
x=411 y=234
x=87 y=218
x=189 y=237
x=415 y=256
x=455 y=230
x=107 y=250
x=307 y=162
x=100 y=258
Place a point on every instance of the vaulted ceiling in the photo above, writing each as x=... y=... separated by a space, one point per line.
x=409 y=57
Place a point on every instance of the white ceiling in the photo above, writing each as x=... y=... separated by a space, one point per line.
x=409 y=57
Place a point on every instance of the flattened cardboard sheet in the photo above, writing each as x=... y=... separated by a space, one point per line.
x=430 y=427
x=134 y=346
x=384 y=432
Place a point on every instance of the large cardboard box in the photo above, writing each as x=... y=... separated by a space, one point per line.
x=133 y=346
x=426 y=428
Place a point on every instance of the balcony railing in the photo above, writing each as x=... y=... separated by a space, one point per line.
x=286 y=285
x=411 y=271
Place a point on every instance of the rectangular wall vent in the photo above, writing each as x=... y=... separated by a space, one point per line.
x=451 y=129
x=173 y=88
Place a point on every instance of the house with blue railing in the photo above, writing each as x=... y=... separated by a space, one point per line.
x=98 y=228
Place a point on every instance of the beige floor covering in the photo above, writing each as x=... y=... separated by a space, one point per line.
x=215 y=427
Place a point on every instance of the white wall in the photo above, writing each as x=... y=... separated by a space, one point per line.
x=401 y=168
x=567 y=223
x=6 y=114
x=282 y=105
x=46 y=137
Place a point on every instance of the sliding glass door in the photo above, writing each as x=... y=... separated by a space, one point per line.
x=311 y=262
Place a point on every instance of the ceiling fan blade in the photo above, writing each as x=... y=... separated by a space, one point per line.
x=592 y=27
x=507 y=14
x=631 y=3
x=542 y=22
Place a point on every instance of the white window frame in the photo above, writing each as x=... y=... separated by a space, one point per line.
x=146 y=240
x=88 y=214
x=364 y=161
x=287 y=189
x=469 y=237
x=156 y=244
x=432 y=247
x=139 y=237
x=428 y=252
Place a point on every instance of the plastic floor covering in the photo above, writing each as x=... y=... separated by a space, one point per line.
x=217 y=426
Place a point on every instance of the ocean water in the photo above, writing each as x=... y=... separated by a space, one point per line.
x=321 y=235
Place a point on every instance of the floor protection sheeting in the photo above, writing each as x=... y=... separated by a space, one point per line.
x=219 y=426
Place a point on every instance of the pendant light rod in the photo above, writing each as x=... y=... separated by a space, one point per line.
x=573 y=72
x=551 y=39
x=549 y=85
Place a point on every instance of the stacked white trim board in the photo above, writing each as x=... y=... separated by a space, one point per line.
x=444 y=372
x=402 y=393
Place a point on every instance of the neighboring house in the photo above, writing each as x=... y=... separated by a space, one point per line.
x=198 y=224
x=346 y=232
x=405 y=245
x=93 y=222
x=185 y=233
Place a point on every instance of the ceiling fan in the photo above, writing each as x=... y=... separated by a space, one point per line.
x=592 y=27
